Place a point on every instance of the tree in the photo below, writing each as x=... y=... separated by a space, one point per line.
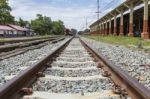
x=42 y=25
x=58 y=27
x=86 y=31
x=22 y=22
x=80 y=32
x=73 y=31
x=5 y=16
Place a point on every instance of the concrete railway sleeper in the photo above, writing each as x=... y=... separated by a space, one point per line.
x=72 y=71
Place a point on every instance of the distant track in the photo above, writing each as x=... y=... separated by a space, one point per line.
x=25 y=39
x=8 y=51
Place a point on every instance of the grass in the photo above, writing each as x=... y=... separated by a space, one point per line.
x=121 y=40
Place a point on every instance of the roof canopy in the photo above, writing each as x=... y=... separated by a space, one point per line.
x=123 y=7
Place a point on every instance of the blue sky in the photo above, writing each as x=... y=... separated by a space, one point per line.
x=72 y=12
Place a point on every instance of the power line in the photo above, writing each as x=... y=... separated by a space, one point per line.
x=110 y=4
x=98 y=9
x=98 y=14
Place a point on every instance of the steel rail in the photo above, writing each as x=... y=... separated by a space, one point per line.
x=25 y=40
x=132 y=86
x=6 y=48
x=18 y=51
x=12 y=89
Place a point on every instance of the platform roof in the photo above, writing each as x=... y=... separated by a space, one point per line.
x=116 y=11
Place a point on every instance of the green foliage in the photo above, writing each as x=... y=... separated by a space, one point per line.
x=73 y=31
x=58 y=27
x=42 y=25
x=5 y=16
x=45 y=26
x=22 y=22
x=84 y=32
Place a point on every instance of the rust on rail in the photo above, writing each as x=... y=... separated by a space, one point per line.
x=14 y=88
x=128 y=85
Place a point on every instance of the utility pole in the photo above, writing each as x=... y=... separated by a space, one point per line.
x=98 y=14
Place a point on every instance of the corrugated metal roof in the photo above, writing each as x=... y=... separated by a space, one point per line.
x=3 y=27
x=19 y=28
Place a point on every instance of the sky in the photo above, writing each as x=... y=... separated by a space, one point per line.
x=73 y=13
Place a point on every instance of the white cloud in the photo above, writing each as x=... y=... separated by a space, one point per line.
x=73 y=17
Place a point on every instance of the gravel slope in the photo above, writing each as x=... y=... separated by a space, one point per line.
x=135 y=63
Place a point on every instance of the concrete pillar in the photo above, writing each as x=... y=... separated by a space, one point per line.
x=145 y=34
x=131 y=22
x=110 y=27
x=103 y=29
x=99 y=29
x=94 y=30
x=121 y=25
x=106 y=29
x=115 y=25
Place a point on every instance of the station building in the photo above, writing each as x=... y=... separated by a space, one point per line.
x=131 y=18
x=14 y=31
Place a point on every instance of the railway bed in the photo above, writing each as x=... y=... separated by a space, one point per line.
x=13 y=50
x=73 y=71
x=12 y=66
x=8 y=41
x=13 y=46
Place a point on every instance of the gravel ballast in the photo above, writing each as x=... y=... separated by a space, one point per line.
x=135 y=63
x=73 y=71
x=14 y=65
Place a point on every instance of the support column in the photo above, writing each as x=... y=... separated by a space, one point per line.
x=145 y=34
x=115 y=26
x=103 y=29
x=130 y=34
x=106 y=28
x=94 y=30
x=99 y=29
x=110 y=27
x=121 y=25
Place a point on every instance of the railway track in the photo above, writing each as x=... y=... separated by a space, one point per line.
x=8 y=51
x=73 y=71
x=25 y=39
x=24 y=43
